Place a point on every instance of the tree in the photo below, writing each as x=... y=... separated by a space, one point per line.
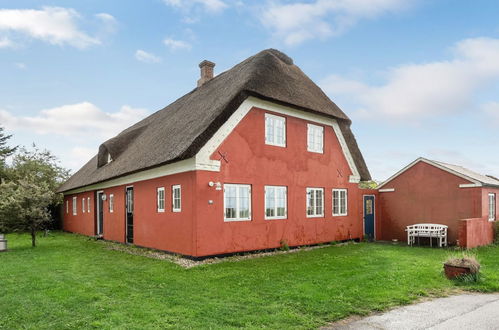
x=42 y=165
x=28 y=196
x=24 y=206
x=5 y=151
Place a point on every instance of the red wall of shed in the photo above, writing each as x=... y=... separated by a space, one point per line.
x=427 y=194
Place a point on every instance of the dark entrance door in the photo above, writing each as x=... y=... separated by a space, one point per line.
x=129 y=214
x=100 y=213
x=369 y=216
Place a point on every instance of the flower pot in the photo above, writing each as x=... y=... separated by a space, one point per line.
x=452 y=271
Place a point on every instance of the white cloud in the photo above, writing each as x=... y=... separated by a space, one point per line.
x=417 y=91
x=76 y=121
x=297 y=22
x=21 y=66
x=177 y=44
x=213 y=6
x=6 y=42
x=55 y=25
x=146 y=57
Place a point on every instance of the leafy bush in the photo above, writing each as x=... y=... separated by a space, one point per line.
x=496 y=232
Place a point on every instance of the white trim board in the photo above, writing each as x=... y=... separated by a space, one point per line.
x=202 y=161
x=432 y=163
x=387 y=190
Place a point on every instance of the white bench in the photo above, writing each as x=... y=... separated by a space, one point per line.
x=429 y=230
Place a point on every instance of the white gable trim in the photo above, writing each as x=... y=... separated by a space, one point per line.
x=202 y=159
x=432 y=163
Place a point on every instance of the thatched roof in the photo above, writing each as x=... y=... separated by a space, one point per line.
x=181 y=129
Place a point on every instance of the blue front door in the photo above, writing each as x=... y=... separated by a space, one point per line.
x=369 y=217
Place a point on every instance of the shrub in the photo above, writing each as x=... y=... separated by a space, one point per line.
x=496 y=232
x=284 y=245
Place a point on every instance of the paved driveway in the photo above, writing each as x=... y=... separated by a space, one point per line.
x=466 y=311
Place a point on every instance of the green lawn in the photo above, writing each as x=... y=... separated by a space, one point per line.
x=70 y=281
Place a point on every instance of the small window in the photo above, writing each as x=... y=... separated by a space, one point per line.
x=275 y=130
x=315 y=138
x=237 y=201
x=111 y=203
x=109 y=158
x=176 y=198
x=492 y=207
x=88 y=204
x=315 y=202
x=67 y=206
x=74 y=205
x=161 y=199
x=83 y=205
x=340 y=202
x=275 y=202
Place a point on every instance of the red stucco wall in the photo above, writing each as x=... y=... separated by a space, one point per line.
x=82 y=222
x=426 y=194
x=251 y=161
x=168 y=231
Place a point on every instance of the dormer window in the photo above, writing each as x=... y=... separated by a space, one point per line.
x=109 y=158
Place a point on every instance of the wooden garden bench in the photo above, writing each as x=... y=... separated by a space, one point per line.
x=429 y=230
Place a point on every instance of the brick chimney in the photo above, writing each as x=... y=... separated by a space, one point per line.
x=206 y=72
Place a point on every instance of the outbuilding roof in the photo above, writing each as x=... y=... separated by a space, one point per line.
x=476 y=178
x=182 y=128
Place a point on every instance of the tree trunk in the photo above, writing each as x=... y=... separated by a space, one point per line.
x=33 y=237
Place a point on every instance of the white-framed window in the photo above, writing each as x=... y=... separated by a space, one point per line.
x=111 y=203
x=340 y=202
x=88 y=204
x=275 y=130
x=276 y=202
x=160 y=198
x=75 y=201
x=492 y=207
x=315 y=138
x=67 y=206
x=237 y=202
x=83 y=209
x=176 y=198
x=315 y=202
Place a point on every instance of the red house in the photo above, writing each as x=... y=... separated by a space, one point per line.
x=250 y=159
x=428 y=191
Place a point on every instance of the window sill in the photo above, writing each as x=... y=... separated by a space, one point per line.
x=161 y=211
x=315 y=216
x=276 y=218
x=275 y=145
x=176 y=211
x=236 y=220
x=340 y=215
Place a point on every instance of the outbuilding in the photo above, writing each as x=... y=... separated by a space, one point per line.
x=428 y=191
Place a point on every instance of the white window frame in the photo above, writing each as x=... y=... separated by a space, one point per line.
x=174 y=198
x=88 y=204
x=271 y=120
x=67 y=206
x=237 y=186
x=276 y=188
x=309 y=191
x=111 y=203
x=339 y=213
x=75 y=205
x=83 y=209
x=159 y=199
x=313 y=131
x=492 y=207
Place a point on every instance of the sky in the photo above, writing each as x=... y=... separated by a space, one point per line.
x=418 y=78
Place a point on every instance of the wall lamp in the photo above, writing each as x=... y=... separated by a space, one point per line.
x=217 y=185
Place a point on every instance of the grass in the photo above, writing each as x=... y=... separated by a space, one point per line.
x=70 y=281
